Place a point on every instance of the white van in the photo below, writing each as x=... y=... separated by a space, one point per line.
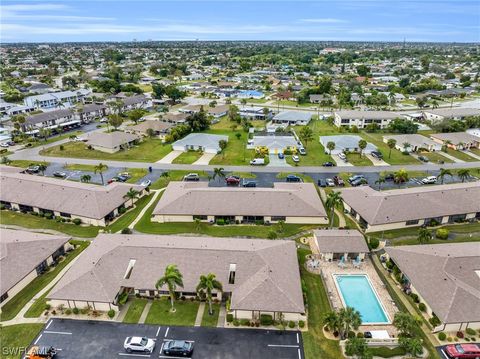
x=257 y=161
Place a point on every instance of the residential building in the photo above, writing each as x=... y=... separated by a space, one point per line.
x=288 y=202
x=92 y=112
x=55 y=99
x=458 y=113
x=333 y=244
x=446 y=279
x=292 y=118
x=111 y=142
x=456 y=140
x=385 y=210
x=134 y=102
x=274 y=144
x=255 y=113
x=415 y=142
x=258 y=276
x=175 y=118
x=345 y=143
x=23 y=256
x=361 y=119
x=160 y=129
x=51 y=120
x=92 y=204
x=204 y=142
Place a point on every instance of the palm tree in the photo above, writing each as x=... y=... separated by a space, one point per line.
x=131 y=194
x=362 y=144
x=198 y=224
x=172 y=278
x=349 y=319
x=434 y=104
x=85 y=178
x=6 y=160
x=400 y=176
x=444 y=172
x=332 y=321
x=424 y=235
x=379 y=181
x=334 y=199
x=391 y=144
x=218 y=173
x=44 y=133
x=405 y=146
x=206 y=285
x=463 y=174
x=330 y=146
x=446 y=144
x=100 y=168
x=306 y=134
x=42 y=167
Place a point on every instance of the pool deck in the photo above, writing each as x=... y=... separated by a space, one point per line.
x=327 y=271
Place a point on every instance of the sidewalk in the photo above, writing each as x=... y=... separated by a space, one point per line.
x=145 y=312
x=198 y=319
x=221 y=316
x=142 y=212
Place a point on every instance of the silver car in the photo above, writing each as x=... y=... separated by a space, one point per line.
x=139 y=344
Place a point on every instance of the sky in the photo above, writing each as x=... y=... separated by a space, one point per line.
x=334 y=20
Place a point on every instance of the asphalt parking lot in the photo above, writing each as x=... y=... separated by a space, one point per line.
x=96 y=339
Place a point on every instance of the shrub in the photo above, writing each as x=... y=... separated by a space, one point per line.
x=467 y=339
x=245 y=322
x=442 y=233
x=449 y=339
x=272 y=235
x=47 y=306
x=374 y=242
x=220 y=222
x=111 y=313
x=301 y=324
x=351 y=334
x=62 y=147
x=236 y=323
x=434 y=321
x=460 y=335
x=126 y=231
x=266 y=319
x=360 y=335
x=49 y=215
x=414 y=297
x=442 y=336
x=76 y=310
x=68 y=311
x=122 y=210
x=422 y=307
x=84 y=310
x=470 y=331
x=77 y=221
x=229 y=318
x=291 y=324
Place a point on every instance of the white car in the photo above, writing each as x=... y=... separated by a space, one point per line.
x=342 y=156
x=330 y=182
x=146 y=183
x=139 y=344
x=295 y=158
x=429 y=180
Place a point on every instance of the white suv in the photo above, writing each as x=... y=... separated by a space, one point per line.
x=139 y=344
x=429 y=180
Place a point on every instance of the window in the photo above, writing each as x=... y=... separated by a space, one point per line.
x=66 y=215
x=278 y=218
x=411 y=222
x=200 y=217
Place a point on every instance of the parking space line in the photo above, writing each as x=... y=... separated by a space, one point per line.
x=36 y=341
x=297 y=339
x=282 y=346
x=134 y=355
x=161 y=348
x=158 y=331
x=49 y=323
x=51 y=332
x=168 y=357
x=166 y=333
x=299 y=354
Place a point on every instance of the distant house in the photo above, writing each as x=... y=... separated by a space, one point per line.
x=55 y=99
x=385 y=210
x=361 y=119
x=285 y=95
x=218 y=111
x=254 y=113
x=457 y=140
x=25 y=255
x=288 y=202
x=159 y=128
x=134 y=102
x=39 y=88
x=175 y=118
x=333 y=244
x=92 y=204
x=92 y=112
x=320 y=98
x=345 y=143
x=258 y=276
x=439 y=114
x=292 y=118
x=204 y=142
x=415 y=142
x=51 y=120
x=191 y=109
x=19 y=109
x=275 y=144
x=111 y=142
x=446 y=279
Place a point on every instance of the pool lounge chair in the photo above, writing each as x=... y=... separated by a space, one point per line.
x=357 y=262
x=341 y=262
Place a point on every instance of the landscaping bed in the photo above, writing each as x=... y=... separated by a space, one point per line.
x=160 y=313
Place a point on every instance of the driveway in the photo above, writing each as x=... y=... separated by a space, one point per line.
x=376 y=161
x=340 y=162
x=205 y=159
x=277 y=162
x=471 y=154
x=170 y=157
x=454 y=159
x=96 y=339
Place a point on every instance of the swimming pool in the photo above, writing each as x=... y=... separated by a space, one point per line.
x=356 y=291
x=250 y=93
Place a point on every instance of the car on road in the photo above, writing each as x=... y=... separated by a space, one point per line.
x=139 y=344
x=232 y=180
x=361 y=181
x=354 y=178
x=249 y=183
x=302 y=151
x=338 y=181
x=321 y=183
x=330 y=182
x=177 y=348
x=423 y=159
x=146 y=183
x=33 y=169
x=295 y=158
x=429 y=180
x=328 y=164
x=121 y=178
x=461 y=351
x=293 y=178
x=281 y=155
x=59 y=174
x=191 y=177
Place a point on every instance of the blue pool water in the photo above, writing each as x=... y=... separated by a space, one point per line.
x=358 y=293
x=251 y=93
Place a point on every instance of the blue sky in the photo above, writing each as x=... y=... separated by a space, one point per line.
x=125 y=20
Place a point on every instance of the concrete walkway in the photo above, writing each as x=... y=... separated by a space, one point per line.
x=340 y=162
x=205 y=159
x=170 y=157
x=198 y=319
x=221 y=316
x=341 y=218
x=376 y=161
x=145 y=209
x=450 y=157
x=471 y=154
x=145 y=312
x=123 y=311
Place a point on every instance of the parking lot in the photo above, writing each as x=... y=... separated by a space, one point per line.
x=96 y=339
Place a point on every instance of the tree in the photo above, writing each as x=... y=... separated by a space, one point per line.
x=399 y=125
x=424 y=235
x=444 y=172
x=238 y=135
x=412 y=346
x=172 y=278
x=330 y=146
x=306 y=134
x=391 y=145
x=115 y=120
x=42 y=167
x=207 y=284
x=135 y=115
x=380 y=181
x=218 y=173
x=174 y=93
x=405 y=324
x=198 y=224
x=362 y=144
x=6 y=160
x=233 y=113
x=363 y=70
x=400 y=176
x=44 y=133
x=334 y=199
x=198 y=121
x=463 y=174
x=131 y=194
x=358 y=347
x=150 y=132
x=100 y=168
x=332 y=321
x=350 y=319
x=222 y=144
x=85 y=178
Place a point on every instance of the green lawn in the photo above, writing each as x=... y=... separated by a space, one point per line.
x=396 y=157
x=80 y=167
x=149 y=150
x=357 y=160
x=461 y=156
x=136 y=174
x=188 y=157
x=15 y=339
x=160 y=314
x=211 y=320
x=315 y=151
x=283 y=175
x=244 y=174
x=435 y=157
x=49 y=140
x=14 y=305
x=36 y=222
x=26 y=163
x=236 y=153
x=174 y=175
x=475 y=150
x=386 y=352
x=314 y=342
x=127 y=218
x=135 y=310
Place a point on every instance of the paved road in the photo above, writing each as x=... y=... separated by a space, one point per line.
x=96 y=339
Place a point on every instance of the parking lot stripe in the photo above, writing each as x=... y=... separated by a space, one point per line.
x=158 y=331
x=166 y=333
x=161 y=348
x=299 y=354
x=134 y=355
x=168 y=357
x=297 y=339
x=49 y=323
x=50 y=332
x=282 y=346
x=36 y=341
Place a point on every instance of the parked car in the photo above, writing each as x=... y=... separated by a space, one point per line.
x=249 y=183
x=59 y=174
x=4 y=144
x=178 y=348
x=121 y=178
x=139 y=344
x=423 y=159
x=295 y=158
x=328 y=164
x=377 y=154
x=232 y=180
x=281 y=155
x=342 y=156
x=321 y=183
x=429 y=180
x=354 y=178
x=338 y=181
x=359 y=182
x=257 y=162
x=125 y=174
x=293 y=178
x=302 y=151
x=330 y=182
x=33 y=169
x=460 y=351
x=146 y=183
x=191 y=177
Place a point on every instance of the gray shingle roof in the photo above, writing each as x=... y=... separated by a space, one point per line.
x=48 y=116
x=371 y=115
x=340 y=241
x=205 y=140
x=111 y=139
x=456 y=137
